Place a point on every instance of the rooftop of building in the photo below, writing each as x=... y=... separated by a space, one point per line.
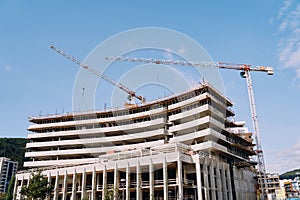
x=159 y=101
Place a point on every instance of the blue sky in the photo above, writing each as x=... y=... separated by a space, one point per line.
x=34 y=80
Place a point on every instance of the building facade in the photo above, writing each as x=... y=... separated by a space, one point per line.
x=8 y=169
x=179 y=147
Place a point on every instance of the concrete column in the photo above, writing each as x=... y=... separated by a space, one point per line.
x=219 y=181
x=229 y=183
x=138 y=181
x=65 y=186
x=212 y=181
x=205 y=174
x=179 y=178
x=49 y=178
x=224 y=183
x=73 y=197
x=151 y=179
x=198 y=174
x=116 y=182
x=15 y=188
x=83 y=183
x=165 y=176
x=127 y=182
x=29 y=178
x=49 y=181
x=94 y=183
x=104 y=190
x=55 y=197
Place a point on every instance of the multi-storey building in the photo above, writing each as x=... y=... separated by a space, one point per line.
x=178 y=147
x=272 y=183
x=8 y=169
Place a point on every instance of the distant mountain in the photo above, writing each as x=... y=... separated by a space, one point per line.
x=290 y=174
x=13 y=148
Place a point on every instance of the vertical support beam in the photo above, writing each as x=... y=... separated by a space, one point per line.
x=198 y=174
x=138 y=181
x=83 y=184
x=94 y=183
x=151 y=179
x=29 y=178
x=229 y=183
x=212 y=180
x=179 y=178
x=49 y=181
x=15 y=188
x=127 y=182
x=224 y=183
x=56 y=186
x=104 y=190
x=165 y=176
x=205 y=174
x=74 y=185
x=65 y=186
x=116 y=182
x=49 y=178
x=219 y=181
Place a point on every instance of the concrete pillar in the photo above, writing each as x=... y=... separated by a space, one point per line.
x=15 y=188
x=165 y=176
x=116 y=182
x=127 y=182
x=49 y=181
x=151 y=180
x=224 y=183
x=104 y=183
x=73 y=197
x=83 y=184
x=65 y=186
x=55 y=197
x=138 y=181
x=198 y=174
x=49 y=178
x=229 y=183
x=94 y=183
x=205 y=174
x=212 y=180
x=29 y=178
x=219 y=181
x=179 y=178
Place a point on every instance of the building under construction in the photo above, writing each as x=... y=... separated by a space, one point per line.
x=184 y=146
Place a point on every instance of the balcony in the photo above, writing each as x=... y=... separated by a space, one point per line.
x=151 y=125
x=96 y=120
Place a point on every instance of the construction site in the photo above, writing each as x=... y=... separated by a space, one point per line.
x=183 y=146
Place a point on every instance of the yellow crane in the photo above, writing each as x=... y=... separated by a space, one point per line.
x=245 y=73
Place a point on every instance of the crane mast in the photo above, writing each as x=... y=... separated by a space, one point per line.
x=88 y=68
x=245 y=73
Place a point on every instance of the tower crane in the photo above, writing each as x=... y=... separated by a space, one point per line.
x=130 y=92
x=245 y=73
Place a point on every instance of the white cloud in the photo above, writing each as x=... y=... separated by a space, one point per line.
x=285 y=160
x=284 y=8
x=289 y=27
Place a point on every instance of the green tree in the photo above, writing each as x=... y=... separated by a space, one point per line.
x=38 y=187
x=2 y=196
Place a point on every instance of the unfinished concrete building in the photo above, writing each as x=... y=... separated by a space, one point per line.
x=178 y=147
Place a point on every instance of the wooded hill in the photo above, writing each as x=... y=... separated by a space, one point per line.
x=13 y=148
x=290 y=174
